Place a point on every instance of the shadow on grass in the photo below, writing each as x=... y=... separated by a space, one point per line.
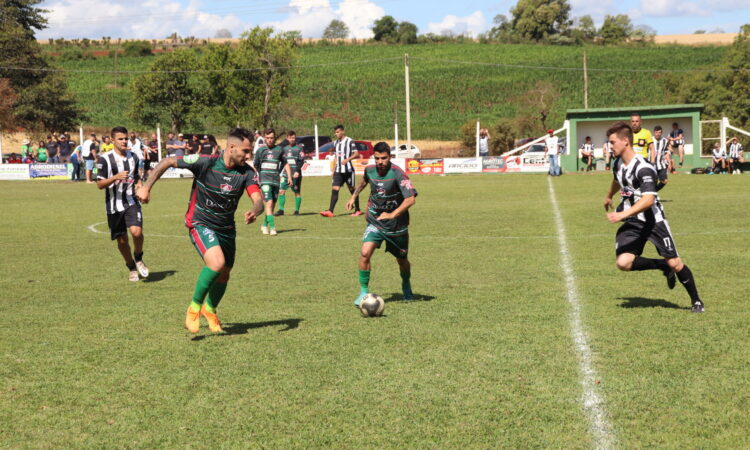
x=399 y=297
x=641 y=302
x=291 y=230
x=231 y=329
x=158 y=276
x=304 y=214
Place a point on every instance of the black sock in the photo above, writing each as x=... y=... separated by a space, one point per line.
x=659 y=186
x=131 y=266
x=138 y=256
x=640 y=263
x=356 y=203
x=686 y=278
x=334 y=199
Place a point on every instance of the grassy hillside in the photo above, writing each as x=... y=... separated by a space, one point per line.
x=450 y=84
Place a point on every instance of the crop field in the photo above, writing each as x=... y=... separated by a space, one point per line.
x=487 y=355
x=450 y=84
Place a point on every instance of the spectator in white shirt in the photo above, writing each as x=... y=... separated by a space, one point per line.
x=552 y=151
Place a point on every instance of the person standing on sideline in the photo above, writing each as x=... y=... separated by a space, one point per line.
x=643 y=143
x=41 y=152
x=88 y=151
x=269 y=161
x=107 y=145
x=296 y=159
x=484 y=142
x=259 y=142
x=660 y=158
x=219 y=184
x=75 y=159
x=117 y=174
x=643 y=217
x=677 y=141
x=391 y=196
x=53 y=148
x=552 y=151
x=345 y=151
x=206 y=147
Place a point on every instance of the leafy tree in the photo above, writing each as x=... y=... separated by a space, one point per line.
x=407 y=33
x=615 y=29
x=136 y=48
x=165 y=93
x=223 y=34
x=7 y=100
x=42 y=100
x=584 y=29
x=643 y=34
x=385 y=29
x=502 y=30
x=538 y=19
x=337 y=29
x=699 y=32
x=534 y=108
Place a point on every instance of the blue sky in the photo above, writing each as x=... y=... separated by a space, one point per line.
x=200 y=18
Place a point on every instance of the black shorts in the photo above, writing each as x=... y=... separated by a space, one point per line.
x=662 y=174
x=340 y=178
x=119 y=222
x=632 y=236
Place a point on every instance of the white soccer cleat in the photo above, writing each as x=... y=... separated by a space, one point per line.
x=133 y=276
x=142 y=269
x=264 y=229
x=273 y=232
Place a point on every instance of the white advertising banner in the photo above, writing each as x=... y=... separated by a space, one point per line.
x=462 y=165
x=316 y=168
x=14 y=171
x=177 y=173
x=534 y=162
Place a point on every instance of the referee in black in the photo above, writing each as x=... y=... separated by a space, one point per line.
x=117 y=174
x=345 y=151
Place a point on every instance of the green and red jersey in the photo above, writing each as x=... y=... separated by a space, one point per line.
x=269 y=162
x=387 y=193
x=294 y=157
x=216 y=190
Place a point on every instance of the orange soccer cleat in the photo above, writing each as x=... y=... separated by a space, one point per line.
x=192 y=320
x=214 y=324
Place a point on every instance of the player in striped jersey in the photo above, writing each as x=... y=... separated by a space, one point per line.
x=391 y=196
x=735 y=155
x=643 y=216
x=296 y=159
x=218 y=184
x=661 y=157
x=345 y=151
x=677 y=140
x=269 y=161
x=117 y=173
x=587 y=153
x=608 y=154
x=718 y=159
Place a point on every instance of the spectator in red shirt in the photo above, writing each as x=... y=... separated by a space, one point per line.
x=14 y=159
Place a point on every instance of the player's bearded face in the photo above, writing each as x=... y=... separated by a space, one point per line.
x=240 y=153
x=382 y=162
x=635 y=123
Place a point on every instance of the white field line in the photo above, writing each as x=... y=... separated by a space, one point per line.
x=593 y=403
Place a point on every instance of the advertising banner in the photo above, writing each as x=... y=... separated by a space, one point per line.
x=316 y=168
x=177 y=173
x=425 y=166
x=14 y=171
x=534 y=162
x=50 y=171
x=494 y=164
x=361 y=164
x=462 y=165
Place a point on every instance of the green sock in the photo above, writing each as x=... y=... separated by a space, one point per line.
x=205 y=279
x=214 y=296
x=282 y=202
x=406 y=283
x=297 y=203
x=271 y=222
x=364 y=280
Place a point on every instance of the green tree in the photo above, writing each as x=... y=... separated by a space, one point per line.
x=166 y=93
x=42 y=100
x=223 y=34
x=615 y=29
x=385 y=29
x=584 y=29
x=536 y=20
x=337 y=29
x=407 y=33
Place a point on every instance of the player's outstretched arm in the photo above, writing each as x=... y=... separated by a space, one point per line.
x=357 y=190
x=144 y=193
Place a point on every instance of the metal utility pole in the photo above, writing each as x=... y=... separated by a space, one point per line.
x=395 y=124
x=408 y=104
x=585 y=83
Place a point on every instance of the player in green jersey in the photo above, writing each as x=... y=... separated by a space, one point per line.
x=269 y=162
x=219 y=182
x=391 y=196
x=295 y=158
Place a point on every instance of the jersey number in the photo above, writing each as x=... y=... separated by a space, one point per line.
x=668 y=243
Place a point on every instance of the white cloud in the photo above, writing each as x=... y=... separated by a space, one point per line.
x=311 y=17
x=471 y=25
x=671 y=8
x=145 y=19
x=728 y=5
x=597 y=9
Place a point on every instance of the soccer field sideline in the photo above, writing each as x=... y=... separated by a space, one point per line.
x=628 y=432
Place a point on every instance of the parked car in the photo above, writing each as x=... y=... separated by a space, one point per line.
x=308 y=144
x=402 y=152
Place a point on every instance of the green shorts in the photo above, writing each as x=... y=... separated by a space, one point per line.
x=398 y=246
x=270 y=192
x=204 y=238
x=296 y=184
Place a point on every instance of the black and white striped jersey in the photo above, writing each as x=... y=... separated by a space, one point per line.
x=344 y=149
x=661 y=148
x=120 y=194
x=636 y=180
x=587 y=148
x=735 y=150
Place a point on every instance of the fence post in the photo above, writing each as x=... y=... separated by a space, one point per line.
x=80 y=136
x=317 y=150
x=1 y=148
x=158 y=140
x=477 y=140
x=395 y=131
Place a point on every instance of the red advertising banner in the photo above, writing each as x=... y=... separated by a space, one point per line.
x=425 y=166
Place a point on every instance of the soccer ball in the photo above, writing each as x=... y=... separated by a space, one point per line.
x=372 y=305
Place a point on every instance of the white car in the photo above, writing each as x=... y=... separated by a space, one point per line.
x=402 y=152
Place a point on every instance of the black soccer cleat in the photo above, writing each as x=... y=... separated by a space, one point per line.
x=697 y=307
x=671 y=278
x=296 y=213
x=279 y=213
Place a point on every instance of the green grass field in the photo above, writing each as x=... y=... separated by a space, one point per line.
x=450 y=84
x=484 y=358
